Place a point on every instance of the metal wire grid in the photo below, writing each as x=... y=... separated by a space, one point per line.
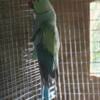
x=75 y=81
x=17 y=79
x=19 y=74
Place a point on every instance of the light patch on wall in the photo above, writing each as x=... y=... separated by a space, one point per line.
x=95 y=39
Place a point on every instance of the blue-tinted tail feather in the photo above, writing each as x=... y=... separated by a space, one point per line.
x=49 y=91
x=45 y=93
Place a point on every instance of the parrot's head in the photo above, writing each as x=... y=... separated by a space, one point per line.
x=39 y=5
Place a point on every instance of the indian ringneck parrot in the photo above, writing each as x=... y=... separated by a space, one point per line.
x=46 y=42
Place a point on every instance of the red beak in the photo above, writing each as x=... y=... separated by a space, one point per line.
x=30 y=3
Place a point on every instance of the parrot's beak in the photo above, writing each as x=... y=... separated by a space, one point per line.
x=31 y=3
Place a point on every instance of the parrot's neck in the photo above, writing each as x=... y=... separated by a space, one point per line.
x=41 y=6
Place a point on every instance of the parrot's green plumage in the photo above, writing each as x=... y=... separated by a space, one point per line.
x=46 y=39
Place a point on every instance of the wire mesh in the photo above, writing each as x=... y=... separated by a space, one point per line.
x=19 y=73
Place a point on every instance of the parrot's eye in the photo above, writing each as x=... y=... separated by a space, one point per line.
x=35 y=0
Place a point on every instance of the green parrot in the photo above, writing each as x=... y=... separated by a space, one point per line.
x=46 y=42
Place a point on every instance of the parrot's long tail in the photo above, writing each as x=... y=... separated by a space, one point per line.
x=45 y=93
x=49 y=91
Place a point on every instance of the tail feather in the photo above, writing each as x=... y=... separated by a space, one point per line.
x=45 y=93
x=49 y=91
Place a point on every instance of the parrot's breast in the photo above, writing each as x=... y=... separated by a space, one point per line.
x=49 y=31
